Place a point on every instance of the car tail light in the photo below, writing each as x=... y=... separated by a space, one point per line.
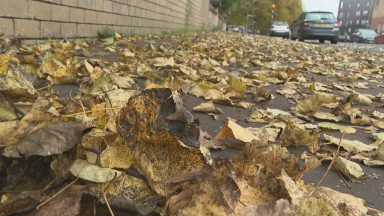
x=305 y=24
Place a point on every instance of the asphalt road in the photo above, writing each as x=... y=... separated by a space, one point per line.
x=370 y=189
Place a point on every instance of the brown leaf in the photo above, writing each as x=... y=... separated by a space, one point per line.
x=66 y=203
x=295 y=136
x=163 y=135
x=50 y=140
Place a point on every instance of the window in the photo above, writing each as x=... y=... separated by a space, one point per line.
x=365 y=13
x=367 y=4
x=350 y=22
x=341 y=4
x=341 y=15
x=320 y=16
x=348 y=15
x=358 y=4
x=358 y=13
x=349 y=5
x=357 y=22
x=363 y=22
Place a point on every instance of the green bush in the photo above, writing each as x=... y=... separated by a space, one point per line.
x=106 y=32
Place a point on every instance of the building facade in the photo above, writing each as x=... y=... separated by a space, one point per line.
x=377 y=22
x=355 y=14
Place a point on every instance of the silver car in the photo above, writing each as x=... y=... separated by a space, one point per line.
x=279 y=29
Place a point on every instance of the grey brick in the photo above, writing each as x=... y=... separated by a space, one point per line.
x=85 y=4
x=14 y=8
x=27 y=28
x=69 y=2
x=68 y=30
x=50 y=29
x=90 y=16
x=60 y=13
x=76 y=15
x=84 y=30
x=6 y=26
x=40 y=10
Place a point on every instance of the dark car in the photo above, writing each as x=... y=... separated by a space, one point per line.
x=363 y=36
x=280 y=29
x=319 y=25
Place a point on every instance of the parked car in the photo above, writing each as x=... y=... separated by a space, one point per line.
x=363 y=36
x=344 y=38
x=319 y=25
x=379 y=39
x=280 y=29
x=230 y=28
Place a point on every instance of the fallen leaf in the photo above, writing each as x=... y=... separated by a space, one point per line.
x=50 y=140
x=66 y=203
x=166 y=137
x=93 y=173
x=348 y=168
x=326 y=116
x=295 y=136
x=130 y=193
x=363 y=100
x=277 y=112
x=235 y=131
x=342 y=129
x=208 y=107
x=378 y=114
x=163 y=62
x=117 y=156
x=349 y=145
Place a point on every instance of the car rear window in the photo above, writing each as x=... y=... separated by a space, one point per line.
x=280 y=24
x=320 y=16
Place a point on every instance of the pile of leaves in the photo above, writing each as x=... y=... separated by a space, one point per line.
x=101 y=126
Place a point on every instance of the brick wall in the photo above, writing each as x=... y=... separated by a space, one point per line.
x=42 y=19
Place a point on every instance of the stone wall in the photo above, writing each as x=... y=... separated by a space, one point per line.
x=43 y=19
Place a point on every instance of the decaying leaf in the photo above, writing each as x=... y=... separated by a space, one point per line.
x=130 y=193
x=310 y=105
x=363 y=100
x=93 y=173
x=326 y=116
x=342 y=129
x=117 y=155
x=6 y=128
x=50 y=140
x=349 y=145
x=380 y=152
x=163 y=135
x=15 y=83
x=235 y=131
x=348 y=168
x=277 y=112
x=66 y=203
x=208 y=107
x=295 y=136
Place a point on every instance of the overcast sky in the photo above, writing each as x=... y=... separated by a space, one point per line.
x=323 y=5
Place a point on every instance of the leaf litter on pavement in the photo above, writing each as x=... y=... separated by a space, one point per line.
x=120 y=131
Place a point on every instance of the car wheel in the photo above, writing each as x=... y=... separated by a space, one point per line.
x=322 y=41
x=334 y=41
